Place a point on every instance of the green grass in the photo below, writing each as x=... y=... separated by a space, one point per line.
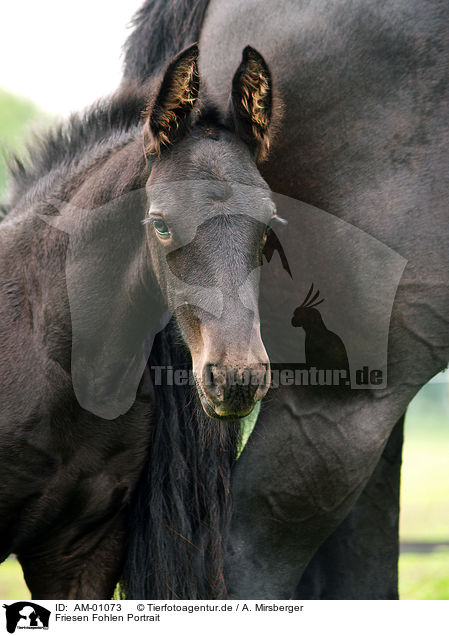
x=425 y=473
x=425 y=487
x=12 y=585
x=425 y=494
x=424 y=576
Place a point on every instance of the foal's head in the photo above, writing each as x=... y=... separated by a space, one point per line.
x=207 y=219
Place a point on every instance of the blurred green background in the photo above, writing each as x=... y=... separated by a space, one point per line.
x=18 y=118
x=424 y=563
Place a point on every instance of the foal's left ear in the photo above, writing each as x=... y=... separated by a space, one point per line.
x=251 y=102
x=167 y=115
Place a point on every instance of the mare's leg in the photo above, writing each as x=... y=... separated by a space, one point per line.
x=360 y=558
x=306 y=464
x=75 y=564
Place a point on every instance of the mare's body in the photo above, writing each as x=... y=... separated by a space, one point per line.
x=363 y=136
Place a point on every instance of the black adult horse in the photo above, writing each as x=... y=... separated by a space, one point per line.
x=363 y=136
x=117 y=224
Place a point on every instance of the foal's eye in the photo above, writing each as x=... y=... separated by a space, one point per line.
x=161 y=228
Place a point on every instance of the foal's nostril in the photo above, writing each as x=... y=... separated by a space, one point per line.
x=212 y=383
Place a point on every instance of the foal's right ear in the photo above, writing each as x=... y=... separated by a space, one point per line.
x=167 y=115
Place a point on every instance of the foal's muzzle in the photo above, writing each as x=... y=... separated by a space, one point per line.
x=232 y=392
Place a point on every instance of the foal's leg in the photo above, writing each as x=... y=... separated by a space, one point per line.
x=84 y=567
x=360 y=558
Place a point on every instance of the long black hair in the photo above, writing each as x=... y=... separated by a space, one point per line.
x=181 y=507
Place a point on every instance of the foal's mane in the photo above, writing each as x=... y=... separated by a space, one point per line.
x=161 y=29
x=82 y=138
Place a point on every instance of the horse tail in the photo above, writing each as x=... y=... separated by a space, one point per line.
x=180 y=511
x=161 y=29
